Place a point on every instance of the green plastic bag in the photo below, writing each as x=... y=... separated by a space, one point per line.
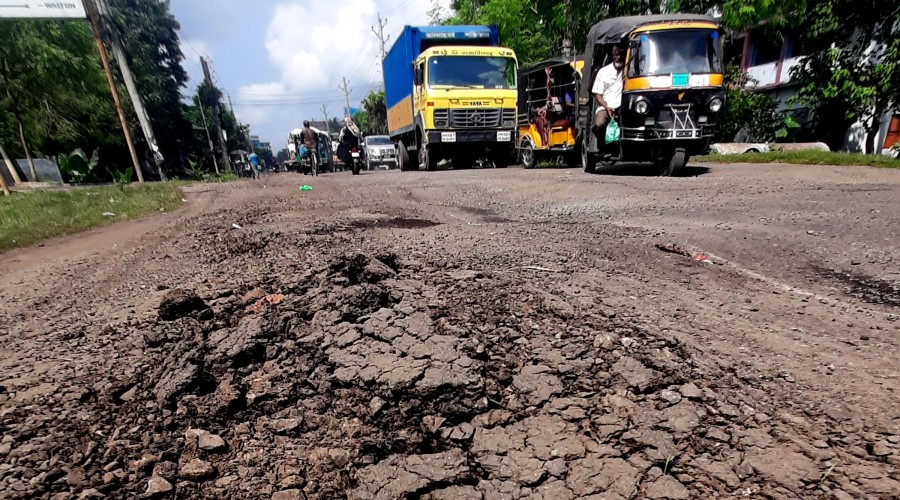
x=306 y=188
x=612 y=132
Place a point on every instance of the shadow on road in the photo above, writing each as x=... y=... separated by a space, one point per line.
x=648 y=170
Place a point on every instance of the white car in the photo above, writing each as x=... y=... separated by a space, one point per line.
x=380 y=151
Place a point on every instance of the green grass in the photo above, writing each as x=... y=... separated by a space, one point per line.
x=29 y=218
x=805 y=158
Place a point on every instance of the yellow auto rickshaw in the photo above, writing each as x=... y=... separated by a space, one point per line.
x=671 y=89
x=547 y=107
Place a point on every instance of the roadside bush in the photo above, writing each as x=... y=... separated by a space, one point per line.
x=77 y=167
x=745 y=109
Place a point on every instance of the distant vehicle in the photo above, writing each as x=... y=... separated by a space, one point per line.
x=547 y=100
x=380 y=150
x=326 y=152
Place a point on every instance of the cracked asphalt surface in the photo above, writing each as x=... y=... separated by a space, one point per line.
x=467 y=334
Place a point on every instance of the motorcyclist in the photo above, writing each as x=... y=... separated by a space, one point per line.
x=349 y=139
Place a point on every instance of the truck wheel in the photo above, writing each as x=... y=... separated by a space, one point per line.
x=588 y=162
x=527 y=154
x=427 y=158
x=402 y=157
x=673 y=163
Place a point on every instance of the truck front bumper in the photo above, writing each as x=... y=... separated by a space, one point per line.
x=471 y=136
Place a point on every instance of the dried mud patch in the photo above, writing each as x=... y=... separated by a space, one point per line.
x=378 y=376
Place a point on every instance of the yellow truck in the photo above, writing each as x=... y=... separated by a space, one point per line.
x=451 y=95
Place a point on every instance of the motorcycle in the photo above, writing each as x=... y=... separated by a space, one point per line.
x=355 y=162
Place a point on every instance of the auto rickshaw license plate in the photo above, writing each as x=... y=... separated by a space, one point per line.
x=680 y=79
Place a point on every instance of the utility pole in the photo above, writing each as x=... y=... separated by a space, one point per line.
x=240 y=125
x=212 y=148
x=345 y=87
x=3 y=185
x=217 y=124
x=104 y=58
x=136 y=101
x=327 y=126
x=11 y=171
x=9 y=166
x=379 y=32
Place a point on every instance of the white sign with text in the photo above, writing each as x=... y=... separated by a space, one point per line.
x=42 y=9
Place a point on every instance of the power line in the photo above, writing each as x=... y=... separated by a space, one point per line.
x=335 y=99
x=309 y=95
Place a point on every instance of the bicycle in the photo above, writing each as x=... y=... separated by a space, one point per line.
x=313 y=157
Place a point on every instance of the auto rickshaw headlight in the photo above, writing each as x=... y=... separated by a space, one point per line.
x=715 y=104
x=642 y=107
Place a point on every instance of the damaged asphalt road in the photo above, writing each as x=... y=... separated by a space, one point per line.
x=481 y=334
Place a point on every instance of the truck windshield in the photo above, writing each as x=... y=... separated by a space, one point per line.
x=472 y=71
x=676 y=51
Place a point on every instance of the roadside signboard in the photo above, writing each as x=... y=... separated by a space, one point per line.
x=42 y=9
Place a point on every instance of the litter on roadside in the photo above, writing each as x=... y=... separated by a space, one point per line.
x=677 y=250
x=673 y=248
x=236 y=226
x=108 y=214
x=306 y=187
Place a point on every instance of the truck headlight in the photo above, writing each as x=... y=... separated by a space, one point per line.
x=509 y=123
x=440 y=123
x=715 y=104
x=642 y=107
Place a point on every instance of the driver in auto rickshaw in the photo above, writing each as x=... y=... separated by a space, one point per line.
x=608 y=90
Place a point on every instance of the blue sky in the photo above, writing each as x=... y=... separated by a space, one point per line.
x=280 y=60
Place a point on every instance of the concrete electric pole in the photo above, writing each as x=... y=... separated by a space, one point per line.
x=327 y=125
x=136 y=101
x=217 y=124
x=94 y=17
x=345 y=87
x=379 y=32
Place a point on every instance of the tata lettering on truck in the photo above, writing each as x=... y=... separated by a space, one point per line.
x=451 y=95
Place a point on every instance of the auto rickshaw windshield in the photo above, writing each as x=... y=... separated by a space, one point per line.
x=676 y=51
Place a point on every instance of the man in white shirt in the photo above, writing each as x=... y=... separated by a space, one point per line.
x=608 y=88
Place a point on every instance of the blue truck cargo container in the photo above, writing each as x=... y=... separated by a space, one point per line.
x=411 y=117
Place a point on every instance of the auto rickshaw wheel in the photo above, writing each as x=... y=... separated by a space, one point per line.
x=526 y=153
x=676 y=161
x=588 y=162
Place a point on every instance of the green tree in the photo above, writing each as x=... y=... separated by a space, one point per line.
x=540 y=29
x=746 y=109
x=149 y=33
x=852 y=70
x=53 y=85
x=361 y=119
x=375 y=107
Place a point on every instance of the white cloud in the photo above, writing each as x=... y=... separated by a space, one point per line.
x=313 y=45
